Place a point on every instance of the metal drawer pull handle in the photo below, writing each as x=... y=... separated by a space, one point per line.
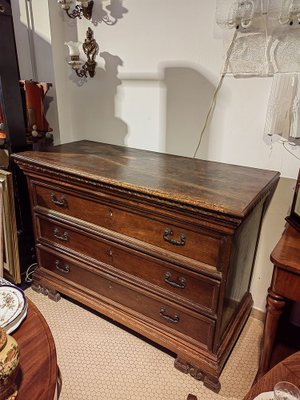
x=62 y=268
x=174 y=319
x=64 y=236
x=180 y=285
x=62 y=202
x=168 y=232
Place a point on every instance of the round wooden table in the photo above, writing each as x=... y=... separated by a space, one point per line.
x=286 y=370
x=38 y=375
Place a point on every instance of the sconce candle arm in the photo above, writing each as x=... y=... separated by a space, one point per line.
x=87 y=68
x=79 y=11
x=81 y=72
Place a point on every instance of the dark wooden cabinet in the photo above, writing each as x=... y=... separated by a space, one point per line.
x=10 y=95
x=162 y=244
x=13 y=131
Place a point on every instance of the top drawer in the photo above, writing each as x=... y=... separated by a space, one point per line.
x=122 y=218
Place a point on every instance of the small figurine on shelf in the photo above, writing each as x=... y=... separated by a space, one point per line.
x=9 y=366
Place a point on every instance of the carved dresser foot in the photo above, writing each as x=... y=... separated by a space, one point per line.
x=36 y=287
x=187 y=368
x=212 y=383
x=54 y=295
x=51 y=293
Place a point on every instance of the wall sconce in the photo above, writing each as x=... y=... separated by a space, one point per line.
x=90 y=48
x=84 y=8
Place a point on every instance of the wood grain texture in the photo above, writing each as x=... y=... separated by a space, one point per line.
x=143 y=225
x=172 y=281
x=37 y=377
x=286 y=370
x=219 y=187
x=162 y=244
x=286 y=253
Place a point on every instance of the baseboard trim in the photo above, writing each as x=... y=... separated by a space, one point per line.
x=258 y=314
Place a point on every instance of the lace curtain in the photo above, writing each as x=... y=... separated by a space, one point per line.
x=267 y=43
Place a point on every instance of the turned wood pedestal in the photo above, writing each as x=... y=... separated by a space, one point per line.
x=285 y=286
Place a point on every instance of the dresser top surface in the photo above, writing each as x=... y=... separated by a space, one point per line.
x=210 y=185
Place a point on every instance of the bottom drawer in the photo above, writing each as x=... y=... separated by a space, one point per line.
x=181 y=322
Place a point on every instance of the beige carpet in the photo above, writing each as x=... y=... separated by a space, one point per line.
x=101 y=361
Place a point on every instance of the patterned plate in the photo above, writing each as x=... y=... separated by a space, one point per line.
x=4 y=282
x=16 y=322
x=12 y=304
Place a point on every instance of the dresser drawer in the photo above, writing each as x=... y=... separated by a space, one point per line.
x=190 y=325
x=186 y=286
x=151 y=227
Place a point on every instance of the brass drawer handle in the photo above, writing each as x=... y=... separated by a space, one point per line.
x=62 y=202
x=181 y=280
x=64 y=237
x=173 y=320
x=2 y=8
x=182 y=238
x=62 y=267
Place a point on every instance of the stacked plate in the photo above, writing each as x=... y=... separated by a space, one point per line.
x=13 y=306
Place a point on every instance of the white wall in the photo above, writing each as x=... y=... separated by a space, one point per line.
x=157 y=71
x=33 y=40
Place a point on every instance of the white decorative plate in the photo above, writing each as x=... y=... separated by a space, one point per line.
x=9 y=305
x=16 y=322
x=265 y=396
x=4 y=282
x=12 y=305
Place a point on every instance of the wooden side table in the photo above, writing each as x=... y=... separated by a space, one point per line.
x=38 y=375
x=285 y=285
x=286 y=370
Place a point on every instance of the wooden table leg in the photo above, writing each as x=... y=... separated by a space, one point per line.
x=274 y=309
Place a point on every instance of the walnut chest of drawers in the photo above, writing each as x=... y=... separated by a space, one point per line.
x=163 y=244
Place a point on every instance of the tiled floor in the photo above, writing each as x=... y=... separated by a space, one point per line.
x=100 y=361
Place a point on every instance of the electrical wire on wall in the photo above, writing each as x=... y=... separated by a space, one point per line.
x=213 y=102
x=287 y=142
x=264 y=44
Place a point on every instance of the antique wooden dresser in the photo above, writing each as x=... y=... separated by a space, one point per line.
x=163 y=244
